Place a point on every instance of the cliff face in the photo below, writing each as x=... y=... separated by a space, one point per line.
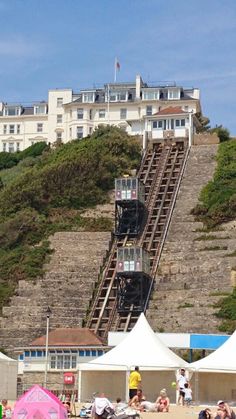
x=194 y=266
x=66 y=287
x=190 y=274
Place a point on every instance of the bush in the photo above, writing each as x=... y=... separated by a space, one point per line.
x=43 y=195
x=218 y=197
x=8 y=160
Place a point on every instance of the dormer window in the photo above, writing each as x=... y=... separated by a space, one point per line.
x=40 y=109
x=118 y=96
x=12 y=110
x=88 y=97
x=150 y=94
x=173 y=94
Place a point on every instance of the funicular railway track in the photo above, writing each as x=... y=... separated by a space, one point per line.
x=160 y=172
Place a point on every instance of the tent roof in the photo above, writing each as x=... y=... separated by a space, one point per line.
x=141 y=347
x=37 y=394
x=6 y=358
x=221 y=360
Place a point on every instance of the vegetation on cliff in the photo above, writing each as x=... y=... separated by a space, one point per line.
x=218 y=205
x=218 y=198
x=48 y=191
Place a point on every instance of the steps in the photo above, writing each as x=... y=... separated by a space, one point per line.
x=188 y=273
x=65 y=287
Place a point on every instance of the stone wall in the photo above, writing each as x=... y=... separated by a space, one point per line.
x=192 y=272
x=205 y=138
x=65 y=287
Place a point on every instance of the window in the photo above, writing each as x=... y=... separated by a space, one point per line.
x=154 y=124
x=70 y=132
x=81 y=353
x=33 y=353
x=100 y=353
x=4 y=147
x=59 y=119
x=18 y=129
x=63 y=362
x=27 y=353
x=88 y=97
x=67 y=362
x=53 y=361
x=11 y=148
x=79 y=132
x=73 y=361
x=59 y=364
x=39 y=109
x=39 y=127
x=59 y=102
x=150 y=95
x=148 y=110
x=21 y=357
x=12 y=110
x=182 y=122
x=80 y=113
x=102 y=113
x=116 y=96
x=94 y=353
x=17 y=146
x=4 y=129
x=173 y=94
x=11 y=129
x=59 y=136
x=123 y=113
x=39 y=353
x=90 y=114
x=87 y=353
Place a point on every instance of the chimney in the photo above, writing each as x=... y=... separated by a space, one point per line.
x=139 y=84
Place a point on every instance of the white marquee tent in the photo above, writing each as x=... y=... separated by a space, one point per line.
x=8 y=374
x=109 y=373
x=215 y=375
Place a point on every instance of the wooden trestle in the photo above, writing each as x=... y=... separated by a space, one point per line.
x=161 y=171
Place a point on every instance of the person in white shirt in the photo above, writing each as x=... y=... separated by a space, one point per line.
x=181 y=381
x=100 y=404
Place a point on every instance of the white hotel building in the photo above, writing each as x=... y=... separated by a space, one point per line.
x=154 y=112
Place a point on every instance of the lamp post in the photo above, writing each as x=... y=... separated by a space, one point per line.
x=48 y=313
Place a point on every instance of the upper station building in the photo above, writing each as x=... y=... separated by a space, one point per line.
x=154 y=112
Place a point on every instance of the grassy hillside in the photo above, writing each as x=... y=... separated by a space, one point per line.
x=218 y=205
x=46 y=193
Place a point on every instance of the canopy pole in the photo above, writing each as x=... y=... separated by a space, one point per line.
x=127 y=385
x=79 y=385
x=196 y=387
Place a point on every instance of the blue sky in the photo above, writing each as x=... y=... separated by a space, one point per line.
x=73 y=43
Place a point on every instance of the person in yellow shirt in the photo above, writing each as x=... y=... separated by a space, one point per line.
x=134 y=382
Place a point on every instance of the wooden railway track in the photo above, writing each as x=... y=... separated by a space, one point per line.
x=160 y=171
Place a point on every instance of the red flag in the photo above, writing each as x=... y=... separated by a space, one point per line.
x=118 y=65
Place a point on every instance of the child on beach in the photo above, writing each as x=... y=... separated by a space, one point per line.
x=187 y=394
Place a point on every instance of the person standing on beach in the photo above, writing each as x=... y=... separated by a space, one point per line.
x=181 y=381
x=134 y=382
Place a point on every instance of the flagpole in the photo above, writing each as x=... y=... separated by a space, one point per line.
x=108 y=103
x=115 y=70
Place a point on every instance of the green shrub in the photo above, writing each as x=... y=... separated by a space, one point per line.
x=218 y=197
x=8 y=160
x=46 y=193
